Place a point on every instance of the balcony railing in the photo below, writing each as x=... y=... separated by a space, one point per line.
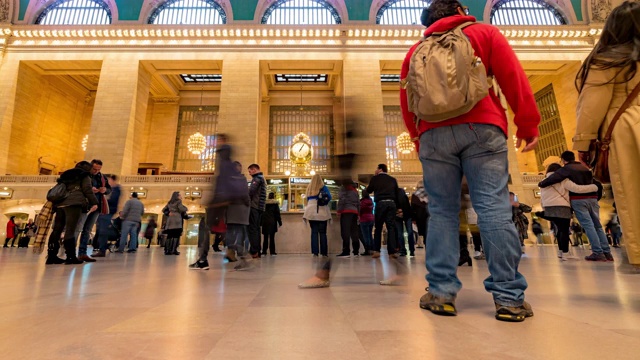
x=125 y=180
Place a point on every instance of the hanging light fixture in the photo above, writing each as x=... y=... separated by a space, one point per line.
x=197 y=143
x=404 y=143
x=85 y=141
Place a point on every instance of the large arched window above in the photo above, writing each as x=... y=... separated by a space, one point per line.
x=401 y=12
x=76 y=12
x=301 y=12
x=525 y=12
x=189 y=12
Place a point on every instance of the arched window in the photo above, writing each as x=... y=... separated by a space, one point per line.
x=76 y=12
x=525 y=12
x=189 y=12
x=301 y=12
x=401 y=12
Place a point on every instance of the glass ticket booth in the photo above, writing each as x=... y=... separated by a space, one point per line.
x=291 y=191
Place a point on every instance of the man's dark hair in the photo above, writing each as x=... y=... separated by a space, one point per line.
x=254 y=166
x=96 y=161
x=440 y=9
x=134 y=195
x=113 y=177
x=383 y=167
x=568 y=156
x=512 y=193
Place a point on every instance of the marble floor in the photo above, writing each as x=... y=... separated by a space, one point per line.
x=150 y=306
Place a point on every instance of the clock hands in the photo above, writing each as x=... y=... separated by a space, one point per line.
x=300 y=148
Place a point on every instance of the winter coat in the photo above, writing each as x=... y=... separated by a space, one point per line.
x=366 y=210
x=576 y=172
x=348 y=200
x=403 y=204
x=271 y=217
x=12 y=229
x=597 y=104
x=501 y=61
x=420 y=213
x=114 y=199
x=313 y=212
x=133 y=210
x=175 y=213
x=150 y=230
x=558 y=193
x=79 y=187
x=258 y=191
x=238 y=213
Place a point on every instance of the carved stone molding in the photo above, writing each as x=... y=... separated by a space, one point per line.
x=600 y=9
x=166 y=99
x=5 y=11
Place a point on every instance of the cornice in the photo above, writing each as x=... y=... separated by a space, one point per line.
x=258 y=37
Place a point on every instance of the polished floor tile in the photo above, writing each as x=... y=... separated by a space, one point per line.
x=150 y=306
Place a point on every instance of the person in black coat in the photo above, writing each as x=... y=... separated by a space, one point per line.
x=270 y=221
x=80 y=198
x=403 y=221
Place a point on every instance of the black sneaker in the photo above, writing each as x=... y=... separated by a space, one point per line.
x=595 y=257
x=412 y=254
x=608 y=256
x=199 y=265
x=344 y=255
x=438 y=305
x=366 y=253
x=513 y=313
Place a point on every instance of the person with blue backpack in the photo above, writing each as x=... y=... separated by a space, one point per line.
x=317 y=213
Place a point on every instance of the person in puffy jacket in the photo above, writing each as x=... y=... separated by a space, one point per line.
x=80 y=198
x=366 y=222
x=348 y=209
x=557 y=207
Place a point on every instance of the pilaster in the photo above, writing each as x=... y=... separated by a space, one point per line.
x=119 y=115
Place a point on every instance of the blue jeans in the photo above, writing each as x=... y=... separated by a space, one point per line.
x=129 y=228
x=478 y=151
x=367 y=230
x=588 y=214
x=319 y=227
x=401 y=224
x=86 y=223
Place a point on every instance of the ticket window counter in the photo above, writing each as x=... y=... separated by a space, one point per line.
x=291 y=192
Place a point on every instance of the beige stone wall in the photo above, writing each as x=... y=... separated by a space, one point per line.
x=566 y=97
x=50 y=120
x=120 y=112
x=9 y=81
x=160 y=129
x=364 y=109
x=239 y=106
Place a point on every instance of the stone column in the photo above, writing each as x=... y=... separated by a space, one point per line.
x=9 y=80
x=161 y=131
x=239 y=108
x=117 y=125
x=363 y=111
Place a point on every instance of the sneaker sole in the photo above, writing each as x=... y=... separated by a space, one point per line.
x=444 y=309
x=510 y=317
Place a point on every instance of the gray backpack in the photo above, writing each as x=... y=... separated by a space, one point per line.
x=446 y=79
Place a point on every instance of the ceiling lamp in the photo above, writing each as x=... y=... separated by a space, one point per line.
x=197 y=143
x=404 y=143
x=85 y=141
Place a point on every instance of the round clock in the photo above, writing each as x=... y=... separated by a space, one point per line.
x=300 y=151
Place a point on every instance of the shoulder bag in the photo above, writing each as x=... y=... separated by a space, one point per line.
x=599 y=149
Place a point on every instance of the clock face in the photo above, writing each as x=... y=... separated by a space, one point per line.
x=300 y=150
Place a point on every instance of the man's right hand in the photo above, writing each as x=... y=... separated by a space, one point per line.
x=95 y=190
x=93 y=208
x=531 y=143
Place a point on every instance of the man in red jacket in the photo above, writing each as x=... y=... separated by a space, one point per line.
x=474 y=144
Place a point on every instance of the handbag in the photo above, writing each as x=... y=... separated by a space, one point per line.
x=599 y=149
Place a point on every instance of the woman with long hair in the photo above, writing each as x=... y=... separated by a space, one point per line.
x=605 y=81
x=557 y=207
x=175 y=213
x=317 y=215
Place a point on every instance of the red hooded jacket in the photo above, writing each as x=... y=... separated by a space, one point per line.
x=501 y=62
